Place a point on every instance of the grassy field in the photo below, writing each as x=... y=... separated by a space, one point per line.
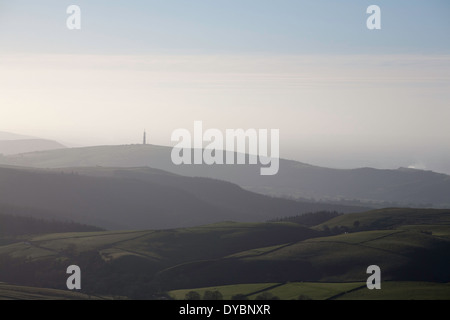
x=54 y=244
x=395 y=290
x=12 y=292
x=226 y=291
x=310 y=290
x=390 y=290
x=175 y=246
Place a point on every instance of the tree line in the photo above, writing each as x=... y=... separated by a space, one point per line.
x=16 y=225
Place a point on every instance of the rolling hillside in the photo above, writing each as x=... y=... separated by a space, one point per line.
x=390 y=218
x=366 y=186
x=151 y=263
x=141 y=198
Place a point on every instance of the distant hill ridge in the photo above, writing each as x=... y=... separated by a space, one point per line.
x=12 y=143
x=366 y=186
x=136 y=198
x=13 y=136
x=9 y=147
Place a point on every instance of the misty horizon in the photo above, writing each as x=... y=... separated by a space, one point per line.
x=339 y=158
x=224 y=150
x=348 y=97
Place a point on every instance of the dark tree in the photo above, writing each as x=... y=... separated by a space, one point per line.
x=212 y=295
x=267 y=296
x=192 y=295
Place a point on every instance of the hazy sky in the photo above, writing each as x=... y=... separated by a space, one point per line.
x=341 y=95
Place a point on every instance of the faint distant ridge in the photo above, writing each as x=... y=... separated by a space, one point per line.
x=11 y=143
x=9 y=147
x=376 y=188
x=14 y=136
